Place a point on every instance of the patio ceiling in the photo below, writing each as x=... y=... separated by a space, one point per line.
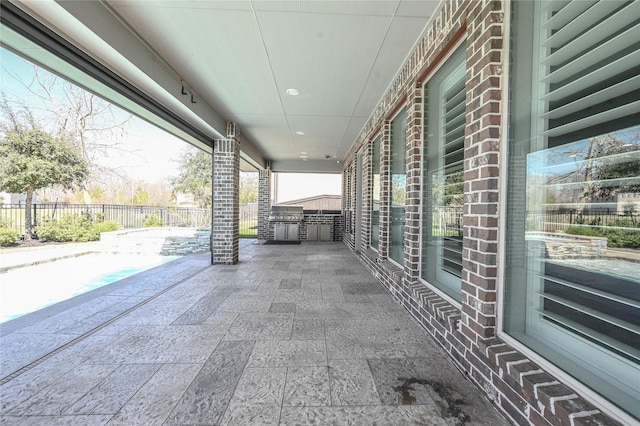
x=236 y=60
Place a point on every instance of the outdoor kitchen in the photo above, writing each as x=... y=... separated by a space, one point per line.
x=292 y=223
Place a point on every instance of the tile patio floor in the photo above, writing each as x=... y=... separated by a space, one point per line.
x=292 y=335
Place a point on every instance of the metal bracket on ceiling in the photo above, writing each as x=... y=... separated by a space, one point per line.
x=193 y=101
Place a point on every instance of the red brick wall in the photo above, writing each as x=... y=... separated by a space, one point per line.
x=522 y=390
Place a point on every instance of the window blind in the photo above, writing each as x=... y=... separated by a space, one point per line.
x=590 y=83
x=453 y=123
x=590 y=52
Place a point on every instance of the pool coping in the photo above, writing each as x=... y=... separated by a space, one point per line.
x=39 y=315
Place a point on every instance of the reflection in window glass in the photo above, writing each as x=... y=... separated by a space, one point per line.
x=375 y=196
x=573 y=220
x=398 y=185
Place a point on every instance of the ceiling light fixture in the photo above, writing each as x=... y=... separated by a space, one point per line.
x=300 y=133
x=293 y=92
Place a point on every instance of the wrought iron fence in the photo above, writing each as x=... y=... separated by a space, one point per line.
x=128 y=217
x=561 y=220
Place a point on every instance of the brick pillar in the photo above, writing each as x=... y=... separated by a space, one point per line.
x=226 y=198
x=264 y=203
x=485 y=63
x=414 y=167
x=367 y=193
x=385 y=189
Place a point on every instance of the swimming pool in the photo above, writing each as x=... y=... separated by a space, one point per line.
x=27 y=289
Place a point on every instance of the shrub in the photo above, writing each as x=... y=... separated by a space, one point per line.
x=107 y=226
x=620 y=238
x=623 y=238
x=55 y=230
x=153 y=220
x=74 y=228
x=8 y=235
x=584 y=230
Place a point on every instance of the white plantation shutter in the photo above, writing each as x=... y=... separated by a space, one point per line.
x=445 y=107
x=591 y=52
x=575 y=145
x=590 y=79
x=453 y=123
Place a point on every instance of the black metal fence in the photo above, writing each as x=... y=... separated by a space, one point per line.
x=128 y=217
x=561 y=220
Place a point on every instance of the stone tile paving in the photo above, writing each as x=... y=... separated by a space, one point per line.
x=292 y=335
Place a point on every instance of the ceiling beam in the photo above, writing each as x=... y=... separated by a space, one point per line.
x=310 y=166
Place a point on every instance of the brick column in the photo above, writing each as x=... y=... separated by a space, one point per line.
x=226 y=198
x=264 y=203
x=349 y=201
x=367 y=194
x=413 y=190
x=482 y=171
x=385 y=189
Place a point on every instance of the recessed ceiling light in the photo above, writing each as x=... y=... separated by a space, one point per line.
x=293 y=92
x=303 y=152
x=300 y=133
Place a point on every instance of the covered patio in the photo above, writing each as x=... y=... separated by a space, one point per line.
x=292 y=334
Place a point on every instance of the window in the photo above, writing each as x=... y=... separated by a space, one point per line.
x=398 y=185
x=375 y=196
x=443 y=175
x=573 y=237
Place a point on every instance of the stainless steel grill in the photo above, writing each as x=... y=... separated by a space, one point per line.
x=286 y=214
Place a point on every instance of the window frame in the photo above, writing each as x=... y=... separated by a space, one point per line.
x=375 y=140
x=535 y=354
x=458 y=49
x=402 y=109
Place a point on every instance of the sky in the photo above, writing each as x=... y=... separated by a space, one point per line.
x=154 y=151
x=293 y=186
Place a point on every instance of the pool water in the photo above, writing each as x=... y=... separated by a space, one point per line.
x=27 y=289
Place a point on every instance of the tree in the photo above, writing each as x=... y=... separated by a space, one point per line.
x=141 y=197
x=195 y=175
x=31 y=159
x=90 y=124
x=248 y=188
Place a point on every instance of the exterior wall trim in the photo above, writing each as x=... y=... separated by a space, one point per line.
x=441 y=57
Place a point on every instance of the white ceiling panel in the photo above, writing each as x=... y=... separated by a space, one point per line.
x=234 y=77
x=351 y=132
x=324 y=56
x=371 y=8
x=402 y=32
x=189 y=4
x=239 y=57
x=417 y=8
x=322 y=135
